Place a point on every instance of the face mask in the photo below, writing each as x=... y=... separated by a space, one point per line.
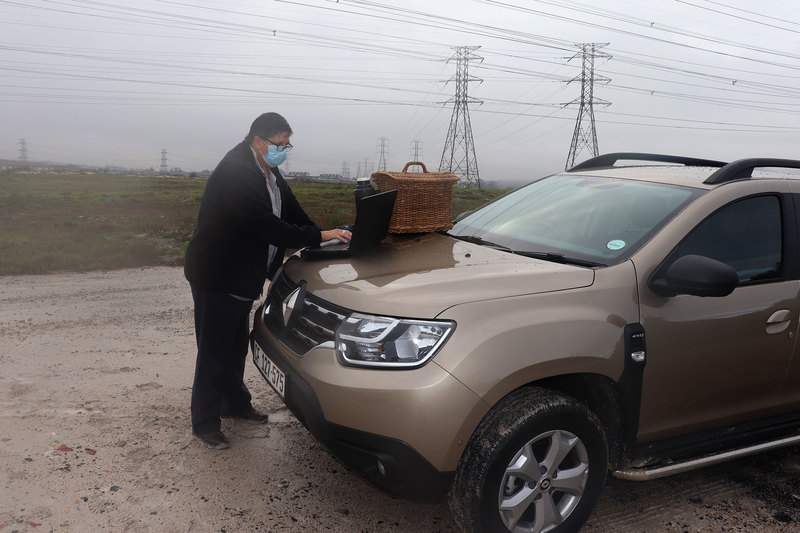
x=273 y=157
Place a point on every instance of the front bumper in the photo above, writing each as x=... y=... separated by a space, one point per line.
x=388 y=462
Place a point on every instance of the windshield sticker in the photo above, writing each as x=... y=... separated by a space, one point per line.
x=615 y=245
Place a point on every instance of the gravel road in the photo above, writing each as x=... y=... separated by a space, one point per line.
x=95 y=377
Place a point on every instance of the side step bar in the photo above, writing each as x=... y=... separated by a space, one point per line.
x=645 y=474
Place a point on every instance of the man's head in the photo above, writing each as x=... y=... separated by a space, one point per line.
x=268 y=126
x=269 y=137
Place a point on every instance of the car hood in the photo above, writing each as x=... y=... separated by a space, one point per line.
x=421 y=276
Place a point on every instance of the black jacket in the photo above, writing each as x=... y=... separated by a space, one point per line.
x=228 y=251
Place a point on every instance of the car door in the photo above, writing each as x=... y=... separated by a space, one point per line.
x=715 y=361
x=790 y=392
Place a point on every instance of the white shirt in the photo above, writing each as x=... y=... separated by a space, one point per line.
x=275 y=198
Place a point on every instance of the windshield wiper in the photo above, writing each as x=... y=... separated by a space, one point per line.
x=474 y=239
x=558 y=258
x=547 y=256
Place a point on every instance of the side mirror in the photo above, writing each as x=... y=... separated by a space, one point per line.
x=696 y=275
x=462 y=215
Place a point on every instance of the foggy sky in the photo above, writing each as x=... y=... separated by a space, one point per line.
x=115 y=82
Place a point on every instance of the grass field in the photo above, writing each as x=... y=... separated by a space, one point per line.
x=83 y=222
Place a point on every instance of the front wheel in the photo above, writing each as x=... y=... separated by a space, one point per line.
x=536 y=464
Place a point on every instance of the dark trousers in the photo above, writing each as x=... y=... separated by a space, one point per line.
x=222 y=328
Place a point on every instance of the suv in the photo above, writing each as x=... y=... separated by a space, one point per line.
x=640 y=319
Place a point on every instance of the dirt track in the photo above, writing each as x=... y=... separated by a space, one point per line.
x=95 y=375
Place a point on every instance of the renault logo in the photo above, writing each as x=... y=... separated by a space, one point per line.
x=291 y=303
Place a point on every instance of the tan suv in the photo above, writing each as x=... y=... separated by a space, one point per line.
x=640 y=319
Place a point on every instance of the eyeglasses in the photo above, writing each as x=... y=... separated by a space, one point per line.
x=280 y=147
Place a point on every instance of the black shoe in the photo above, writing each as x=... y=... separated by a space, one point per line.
x=252 y=416
x=215 y=439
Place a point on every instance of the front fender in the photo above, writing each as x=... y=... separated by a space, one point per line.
x=503 y=344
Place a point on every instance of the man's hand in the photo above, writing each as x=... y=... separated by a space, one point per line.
x=340 y=234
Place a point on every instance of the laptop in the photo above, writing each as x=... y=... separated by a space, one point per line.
x=372 y=223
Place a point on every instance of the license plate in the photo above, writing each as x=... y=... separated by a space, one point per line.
x=274 y=375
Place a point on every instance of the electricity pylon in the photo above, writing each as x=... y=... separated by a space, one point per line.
x=458 y=155
x=383 y=152
x=164 y=168
x=23 y=150
x=585 y=134
x=416 y=150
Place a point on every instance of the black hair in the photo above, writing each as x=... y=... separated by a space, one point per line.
x=268 y=125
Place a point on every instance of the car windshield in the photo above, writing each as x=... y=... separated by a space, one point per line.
x=576 y=219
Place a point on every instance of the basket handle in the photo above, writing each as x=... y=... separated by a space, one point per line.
x=420 y=163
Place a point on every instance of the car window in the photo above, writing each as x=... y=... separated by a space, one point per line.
x=583 y=217
x=746 y=235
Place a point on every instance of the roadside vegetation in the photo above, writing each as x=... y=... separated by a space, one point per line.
x=82 y=222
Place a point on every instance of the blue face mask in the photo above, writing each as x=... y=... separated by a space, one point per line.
x=273 y=157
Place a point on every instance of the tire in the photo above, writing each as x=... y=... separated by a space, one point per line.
x=511 y=458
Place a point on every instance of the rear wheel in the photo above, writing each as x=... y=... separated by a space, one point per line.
x=536 y=464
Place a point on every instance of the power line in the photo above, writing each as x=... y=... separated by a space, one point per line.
x=650 y=24
x=180 y=67
x=331 y=26
x=727 y=14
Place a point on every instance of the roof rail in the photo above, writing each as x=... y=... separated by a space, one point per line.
x=608 y=160
x=743 y=168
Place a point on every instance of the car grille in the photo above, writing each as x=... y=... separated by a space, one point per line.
x=312 y=321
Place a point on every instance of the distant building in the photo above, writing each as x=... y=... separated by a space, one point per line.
x=330 y=177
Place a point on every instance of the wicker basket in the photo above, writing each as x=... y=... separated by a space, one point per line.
x=424 y=199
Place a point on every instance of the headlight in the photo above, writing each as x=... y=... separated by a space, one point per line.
x=384 y=342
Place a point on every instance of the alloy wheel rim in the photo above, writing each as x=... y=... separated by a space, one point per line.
x=543 y=483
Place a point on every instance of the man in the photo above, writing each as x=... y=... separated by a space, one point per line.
x=248 y=217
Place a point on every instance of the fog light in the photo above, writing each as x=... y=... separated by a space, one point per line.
x=381 y=468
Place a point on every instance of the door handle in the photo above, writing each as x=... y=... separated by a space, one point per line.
x=779 y=321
